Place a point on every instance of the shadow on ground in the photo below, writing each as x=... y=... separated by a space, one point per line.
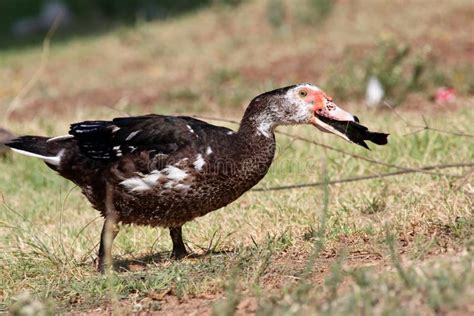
x=141 y=263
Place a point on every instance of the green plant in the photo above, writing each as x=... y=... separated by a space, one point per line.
x=276 y=13
x=322 y=8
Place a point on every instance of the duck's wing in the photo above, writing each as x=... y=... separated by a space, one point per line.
x=157 y=134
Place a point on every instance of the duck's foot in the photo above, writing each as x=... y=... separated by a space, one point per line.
x=179 y=254
x=179 y=249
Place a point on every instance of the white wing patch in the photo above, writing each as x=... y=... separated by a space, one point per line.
x=53 y=139
x=199 y=162
x=175 y=174
x=117 y=150
x=131 y=135
x=172 y=175
x=190 y=129
x=136 y=185
x=52 y=160
x=208 y=150
x=152 y=178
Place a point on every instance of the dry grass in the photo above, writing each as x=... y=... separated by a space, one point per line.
x=395 y=245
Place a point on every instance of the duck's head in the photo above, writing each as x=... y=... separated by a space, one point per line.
x=308 y=104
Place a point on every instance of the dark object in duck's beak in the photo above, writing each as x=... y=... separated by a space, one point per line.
x=356 y=133
x=332 y=119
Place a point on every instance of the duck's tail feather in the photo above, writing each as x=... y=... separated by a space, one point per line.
x=40 y=147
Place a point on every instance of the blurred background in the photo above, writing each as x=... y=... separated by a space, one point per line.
x=214 y=55
x=24 y=18
x=74 y=60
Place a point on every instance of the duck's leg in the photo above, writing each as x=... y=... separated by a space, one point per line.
x=109 y=232
x=179 y=249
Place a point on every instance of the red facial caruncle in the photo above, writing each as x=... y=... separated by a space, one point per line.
x=316 y=97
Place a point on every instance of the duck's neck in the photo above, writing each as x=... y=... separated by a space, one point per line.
x=257 y=138
x=256 y=150
x=257 y=127
x=257 y=122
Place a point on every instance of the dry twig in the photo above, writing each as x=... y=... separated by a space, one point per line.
x=361 y=178
x=426 y=126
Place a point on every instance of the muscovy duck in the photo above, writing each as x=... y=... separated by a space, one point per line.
x=167 y=170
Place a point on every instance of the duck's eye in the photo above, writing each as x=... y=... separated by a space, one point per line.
x=303 y=93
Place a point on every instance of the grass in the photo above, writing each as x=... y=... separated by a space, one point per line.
x=399 y=245
x=262 y=242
